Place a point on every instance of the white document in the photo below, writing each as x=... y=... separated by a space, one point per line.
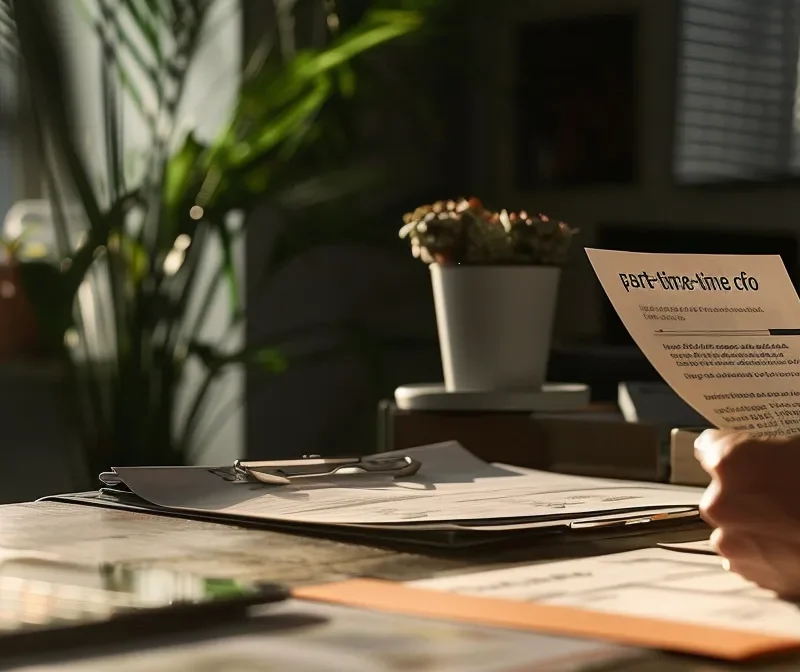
x=722 y=330
x=652 y=583
x=452 y=485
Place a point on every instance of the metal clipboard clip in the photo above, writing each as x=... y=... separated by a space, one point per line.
x=283 y=472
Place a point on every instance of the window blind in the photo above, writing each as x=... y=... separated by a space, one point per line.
x=738 y=104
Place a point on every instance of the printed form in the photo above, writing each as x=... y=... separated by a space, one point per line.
x=722 y=330
x=651 y=583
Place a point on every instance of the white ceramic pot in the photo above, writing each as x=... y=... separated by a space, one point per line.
x=495 y=325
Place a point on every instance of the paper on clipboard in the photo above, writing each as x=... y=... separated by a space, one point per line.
x=452 y=485
x=722 y=330
x=653 y=598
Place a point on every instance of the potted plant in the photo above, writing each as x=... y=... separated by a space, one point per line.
x=495 y=279
x=146 y=233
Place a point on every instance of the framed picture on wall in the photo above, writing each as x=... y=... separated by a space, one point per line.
x=576 y=101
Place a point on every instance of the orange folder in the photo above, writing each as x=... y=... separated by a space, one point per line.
x=733 y=645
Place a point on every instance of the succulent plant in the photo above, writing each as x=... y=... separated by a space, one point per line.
x=465 y=232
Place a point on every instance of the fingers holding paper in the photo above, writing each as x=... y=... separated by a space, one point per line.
x=763 y=559
x=753 y=503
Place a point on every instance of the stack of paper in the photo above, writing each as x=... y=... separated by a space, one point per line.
x=655 y=598
x=454 y=498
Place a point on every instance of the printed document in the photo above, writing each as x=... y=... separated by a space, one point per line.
x=652 y=583
x=452 y=485
x=722 y=330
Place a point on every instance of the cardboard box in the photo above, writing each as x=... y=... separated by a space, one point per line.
x=582 y=443
x=684 y=467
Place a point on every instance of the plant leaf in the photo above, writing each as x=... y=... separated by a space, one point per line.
x=180 y=170
x=377 y=27
x=282 y=126
x=229 y=268
x=278 y=103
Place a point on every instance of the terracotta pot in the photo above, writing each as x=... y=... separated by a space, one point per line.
x=19 y=333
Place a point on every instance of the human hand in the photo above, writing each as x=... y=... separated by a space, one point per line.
x=754 y=504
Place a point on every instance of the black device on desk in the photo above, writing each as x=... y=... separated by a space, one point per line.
x=49 y=605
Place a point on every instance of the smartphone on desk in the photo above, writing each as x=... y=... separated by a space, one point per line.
x=47 y=605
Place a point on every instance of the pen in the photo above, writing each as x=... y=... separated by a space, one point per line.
x=632 y=519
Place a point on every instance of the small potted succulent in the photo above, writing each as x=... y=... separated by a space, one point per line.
x=495 y=282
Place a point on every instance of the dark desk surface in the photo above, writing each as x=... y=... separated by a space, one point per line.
x=92 y=534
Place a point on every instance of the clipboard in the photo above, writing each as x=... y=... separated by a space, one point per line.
x=236 y=490
x=454 y=539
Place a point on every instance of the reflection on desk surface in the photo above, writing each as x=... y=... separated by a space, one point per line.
x=39 y=592
x=360 y=641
